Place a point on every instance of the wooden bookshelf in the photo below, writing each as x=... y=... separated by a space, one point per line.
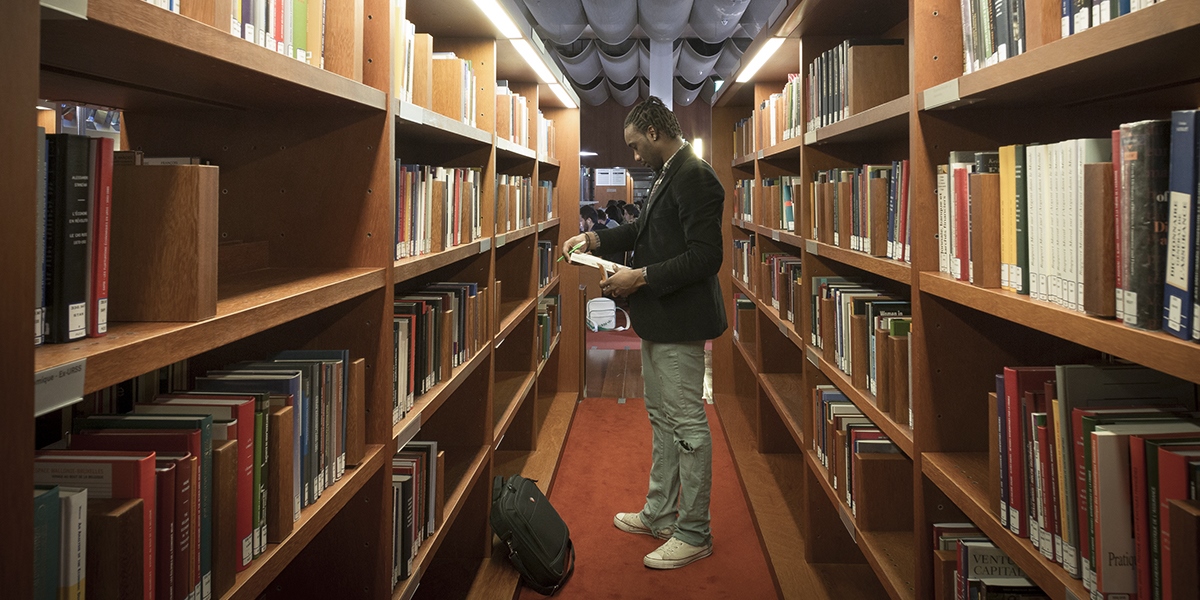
x=1154 y=349
x=894 y=270
x=1106 y=61
x=888 y=121
x=900 y=433
x=248 y=303
x=963 y=478
x=784 y=391
x=307 y=159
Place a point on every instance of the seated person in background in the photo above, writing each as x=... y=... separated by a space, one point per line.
x=616 y=216
x=602 y=221
x=587 y=218
x=631 y=213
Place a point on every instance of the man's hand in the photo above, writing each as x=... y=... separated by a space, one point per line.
x=623 y=283
x=579 y=240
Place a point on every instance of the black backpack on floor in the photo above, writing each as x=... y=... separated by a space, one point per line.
x=538 y=541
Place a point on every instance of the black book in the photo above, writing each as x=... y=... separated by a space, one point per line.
x=987 y=162
x=1145 y=171
x=67 y=193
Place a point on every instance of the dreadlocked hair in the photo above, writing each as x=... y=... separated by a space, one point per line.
x=653 y=113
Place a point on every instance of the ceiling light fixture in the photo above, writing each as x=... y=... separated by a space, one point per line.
x=587 y=153
x=760 y=59
x=562 y=94
x=534 y=59
x=499 y=18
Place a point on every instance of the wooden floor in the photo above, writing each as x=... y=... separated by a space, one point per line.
x=618 y=373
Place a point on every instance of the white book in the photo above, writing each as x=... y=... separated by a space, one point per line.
x=1033 y=184
x=73 y=548
x=1116 y=575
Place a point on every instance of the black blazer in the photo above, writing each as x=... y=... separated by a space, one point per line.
x=678 y=239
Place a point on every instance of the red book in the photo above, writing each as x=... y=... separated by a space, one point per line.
x=962 y=225
x=224 y=407
x=1172 y=485
x=164 y=567
x=1043 y=509
x=108 y=475
x=187 y=523
x=167 y=441
x=1140 y=474
x=100 y=224
x=1017 y=381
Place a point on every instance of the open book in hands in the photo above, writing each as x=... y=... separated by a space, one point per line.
x=588 y=260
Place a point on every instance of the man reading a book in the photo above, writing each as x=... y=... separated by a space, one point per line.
x=675 y=305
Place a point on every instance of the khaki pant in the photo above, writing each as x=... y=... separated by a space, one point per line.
x=681 y=468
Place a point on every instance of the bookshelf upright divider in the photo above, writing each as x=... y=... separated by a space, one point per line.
x=307 y=218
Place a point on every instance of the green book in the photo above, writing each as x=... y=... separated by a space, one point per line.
x=47 y=535
x=204 y=424
x=300 y=29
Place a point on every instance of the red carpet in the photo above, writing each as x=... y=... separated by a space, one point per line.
x=604 y=470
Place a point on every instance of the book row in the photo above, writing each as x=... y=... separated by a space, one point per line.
x=843 y=433
x=436 y=208
x=774 y=120
x=295 y=28
x=100 y=214
x=1104 y=226
x=980 y=570
x=549 y=324
x=546 y=257
x=864 y=332
x=1089 y=456
x=517 y=201
x=996 y=30
x=220 y=471
x=857 y=74
x=435 y=330
x=437 y=81
x=418 y=500
x=865 y=209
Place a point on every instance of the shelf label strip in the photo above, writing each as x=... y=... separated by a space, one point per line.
x=410 y=431
x=59 y=386
x=811 y=247
x=810 y=137
x=941 y=95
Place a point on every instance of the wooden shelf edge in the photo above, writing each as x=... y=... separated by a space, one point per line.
x=553 y=346
x=957 y=474
x=248 y=307
x=428 y=403
x=515 y=149
x=878 y=547
x=185 y=35
x=407 y=268
x=887 y=268
x=897 y=586
x=778 y=400
x=512 y=406
x=900 y=434
x=545 y=289
x=254 y=580
x=552 y=438
x=516 y=234
x=865 y=122
x=1154 y=349
x=404 y=590
x=423 y=119
x=1100 y=43
x=784 y=149
x=512 y=319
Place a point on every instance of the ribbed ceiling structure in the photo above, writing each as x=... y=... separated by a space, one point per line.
x=604 y=45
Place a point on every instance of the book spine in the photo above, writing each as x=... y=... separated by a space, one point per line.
x=39 y=286
x=1019 y=275
x=1120 y=200
x=97 y=321
x=1177 y=293
x=67 y=245
x=1145 y=177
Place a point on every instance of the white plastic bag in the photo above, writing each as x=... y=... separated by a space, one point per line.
x=602 y=315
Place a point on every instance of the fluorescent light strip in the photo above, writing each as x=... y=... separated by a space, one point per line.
x=562 y=94
x=760 y=59
x=534 y=59
x=499 y=18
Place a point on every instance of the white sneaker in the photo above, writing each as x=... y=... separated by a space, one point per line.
x=676 y=553
x=632 y=523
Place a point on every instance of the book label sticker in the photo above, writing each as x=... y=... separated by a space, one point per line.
x=77 y=324
x=59 y=386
